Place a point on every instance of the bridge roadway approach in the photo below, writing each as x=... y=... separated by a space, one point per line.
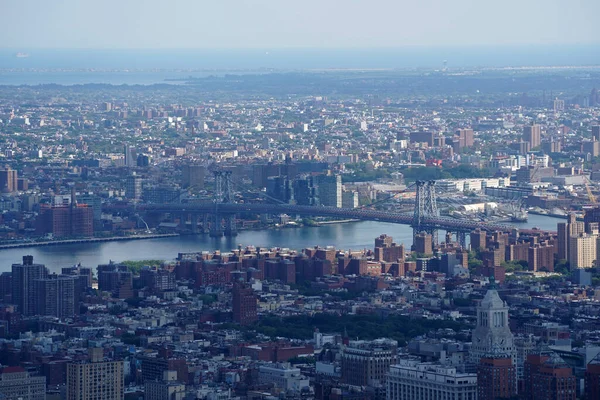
x=426 y=223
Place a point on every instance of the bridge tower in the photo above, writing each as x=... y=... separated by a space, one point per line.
x=431 y=209
x=223 y=194
x=425 y=206
x=216 y=228
x=230 y=226
x=419 y=212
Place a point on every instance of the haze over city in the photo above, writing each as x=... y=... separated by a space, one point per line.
x=239 y=24
x=299 y=200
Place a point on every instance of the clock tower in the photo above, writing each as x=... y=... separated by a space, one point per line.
x=492 y=333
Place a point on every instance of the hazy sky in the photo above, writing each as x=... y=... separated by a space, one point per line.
x=294 y=23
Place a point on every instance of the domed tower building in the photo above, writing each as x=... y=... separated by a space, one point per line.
x=492 y=333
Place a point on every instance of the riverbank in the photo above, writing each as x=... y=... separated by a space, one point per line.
x=87 y=240
x=339 y=221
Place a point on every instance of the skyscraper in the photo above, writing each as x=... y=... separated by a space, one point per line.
x=492 y=333
x=95 y=379
x=244 y=303
x=130 y=156
x=23 y=290
x=133 y=187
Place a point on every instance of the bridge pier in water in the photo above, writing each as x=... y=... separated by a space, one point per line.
x=194 y=222
x=230 y=226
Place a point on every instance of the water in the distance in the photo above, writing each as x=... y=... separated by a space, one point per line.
x=359 y=235
x=145 y=67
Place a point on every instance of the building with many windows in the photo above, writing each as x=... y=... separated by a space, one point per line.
x=244 y=304
x=166 y=389
x=16 y=383
x=366 y=363
x=95 y=379
x=414 y=380
x=582 y=250
x=496 y=377
x=23 y=290
x=55 y=296
x=548 y=377
x=330 y=190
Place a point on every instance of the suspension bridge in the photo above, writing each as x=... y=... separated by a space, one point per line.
x=220 y=213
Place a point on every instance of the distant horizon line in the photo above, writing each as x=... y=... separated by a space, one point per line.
x=344 y=48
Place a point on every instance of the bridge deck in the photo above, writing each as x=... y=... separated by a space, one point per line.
x=450 y=224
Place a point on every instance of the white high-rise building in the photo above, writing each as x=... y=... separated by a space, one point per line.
x=492 y=333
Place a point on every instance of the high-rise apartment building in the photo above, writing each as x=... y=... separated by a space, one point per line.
x=116 y=279
x=423 y=243
x=496 y=377
x=413 y=380
x=533 y=135
x=465 y=138
x=23 y=289
x=565 y=230
x=540 y=257
x=55 y=296
x=492 y=333
x=582 y=250
x=95 y=379
x=478 y=239
x=244 y=303
x=366 y=363
x=74 y=220
x=193 y=176
x=18 y=384
x=8 y=180
x=559 y=105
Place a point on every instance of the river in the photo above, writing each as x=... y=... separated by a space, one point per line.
x=354 y=235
